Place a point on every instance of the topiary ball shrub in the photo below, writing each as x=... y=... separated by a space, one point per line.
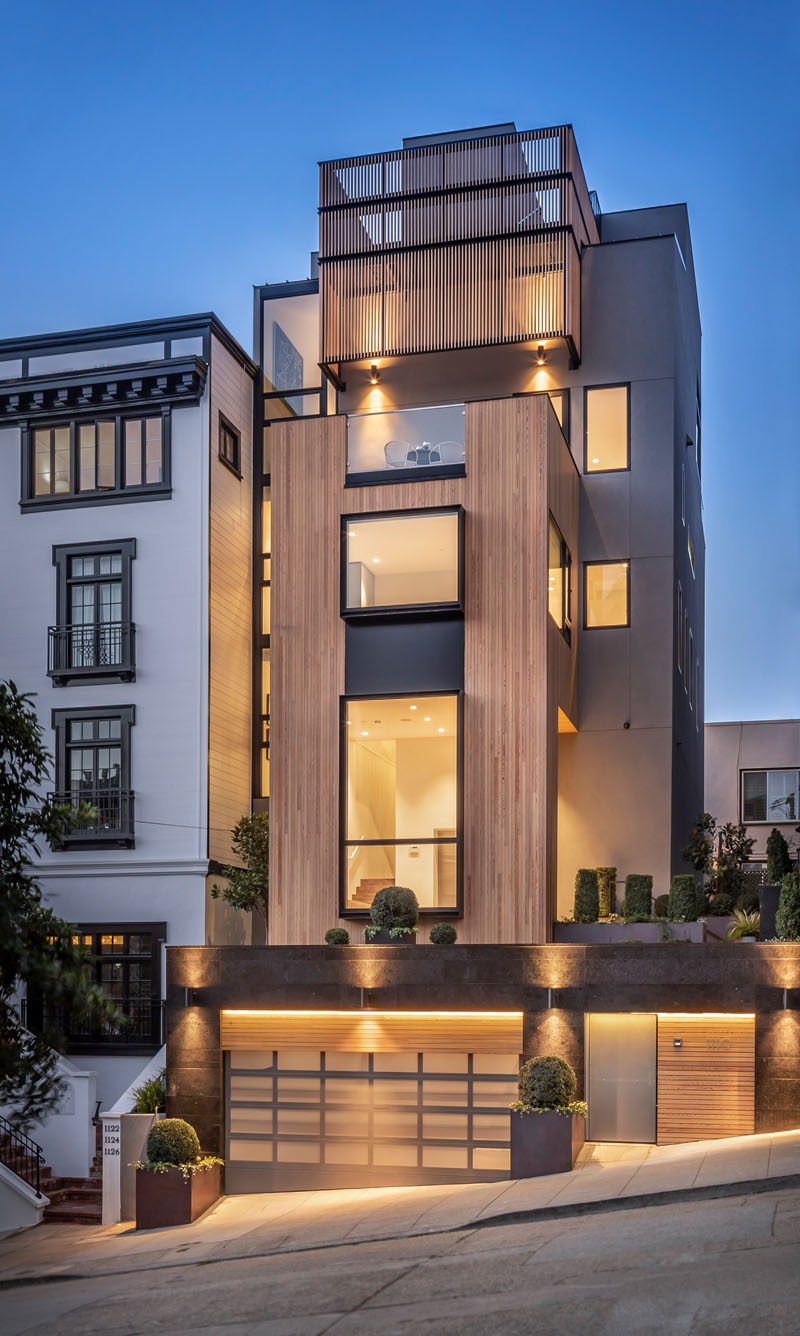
x=661 y=906
x=394 y=907
x=337 y=937
x=443 y=934
x=721 y=905
x=638 y=895
x=587 y=896
x=779 y=863
x=787 y=919
x=684 y=896
x=172 y=1141
x=606 y=890
x=546 y=1083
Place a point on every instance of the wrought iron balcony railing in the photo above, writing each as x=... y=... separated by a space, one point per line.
x=144 y=1024
x=100 y=649
x=110 y=821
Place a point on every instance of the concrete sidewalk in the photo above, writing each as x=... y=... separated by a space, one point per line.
x=266 y=1224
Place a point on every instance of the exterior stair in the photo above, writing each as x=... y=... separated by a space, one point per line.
x=76 y=1201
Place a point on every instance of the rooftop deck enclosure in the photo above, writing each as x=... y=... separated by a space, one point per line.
x=453 y=245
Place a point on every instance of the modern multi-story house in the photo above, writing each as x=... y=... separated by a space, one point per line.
x=431 y=590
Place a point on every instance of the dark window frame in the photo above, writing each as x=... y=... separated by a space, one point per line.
x=766 y=771
x=96 y=1043
x=98 y=496
x=60 y=720
x=234 y=461
x=456 y=911
x=62 y=556
x=612 y=385
x=400 y=611
x=608 y=561
x=566 y=593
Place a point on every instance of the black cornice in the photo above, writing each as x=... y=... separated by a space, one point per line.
x=76 y=394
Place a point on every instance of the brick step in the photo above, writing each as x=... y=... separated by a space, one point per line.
x=72 y=1213
x=54 y=1181
x=90 y=1197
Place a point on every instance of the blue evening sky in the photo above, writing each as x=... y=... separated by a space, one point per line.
x=161 y=158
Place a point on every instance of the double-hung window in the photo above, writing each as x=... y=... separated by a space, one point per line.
x=93 y=766
x=94 y=634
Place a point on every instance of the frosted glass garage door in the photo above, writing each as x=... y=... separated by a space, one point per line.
x=303 y=1118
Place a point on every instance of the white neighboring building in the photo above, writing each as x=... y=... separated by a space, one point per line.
x=126 y=582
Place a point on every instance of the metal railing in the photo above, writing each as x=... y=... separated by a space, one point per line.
x=22 y=1155
x=111 y=816
x=99 y=647
x=144 y=1024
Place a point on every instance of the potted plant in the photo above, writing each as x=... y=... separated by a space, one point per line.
x=443 y=934
x=744 y=927
x=548 y=1125
x=337 y=937
x=394 y=913
x=176 y=1182
x=151 y=1095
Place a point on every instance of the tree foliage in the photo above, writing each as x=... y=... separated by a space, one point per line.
x=37 y=952
x=248 y=885
x=719 y=852
x=779 y=863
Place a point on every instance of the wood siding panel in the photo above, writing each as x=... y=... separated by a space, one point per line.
x=369 y=1032
x=230 y=607
x=706 y=1087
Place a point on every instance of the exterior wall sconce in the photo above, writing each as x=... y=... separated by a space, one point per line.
x=366 y=999
x=191 y=997
x=374 y=374
x=785 y=999
x=552 y=999
x=540 y=355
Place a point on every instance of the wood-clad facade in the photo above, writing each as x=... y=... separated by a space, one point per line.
x=518 y=667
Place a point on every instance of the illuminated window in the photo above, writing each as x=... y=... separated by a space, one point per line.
x=607 y=429
x=607 y=593
x=770 y=795
x=401 y=799
x=410 y=559
x=559 y=572
x=52 y=461
x=95 y=458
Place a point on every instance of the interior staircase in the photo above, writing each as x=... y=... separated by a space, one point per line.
x=76 y=1201
x=367 y=889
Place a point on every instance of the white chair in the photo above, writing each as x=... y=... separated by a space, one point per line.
x=447 y=452
x=397 y=454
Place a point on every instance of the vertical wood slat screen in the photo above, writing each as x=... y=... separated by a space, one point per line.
x=495 y=262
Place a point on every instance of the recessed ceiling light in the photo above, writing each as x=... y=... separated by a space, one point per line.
x=351 y=533
x=376 y=559
x=440 y=730
x=427 y=719
x=412 y=707
x=595 y=461
x=364 y=733
x=349 y=722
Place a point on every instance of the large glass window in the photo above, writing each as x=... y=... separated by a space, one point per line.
x=94 y=458
x=770 y=795
x=607 y=429
x=401 y=439
x=607 y=599
x=404 y=560
x=292 y=381
x=559 y=571
x=401 y=795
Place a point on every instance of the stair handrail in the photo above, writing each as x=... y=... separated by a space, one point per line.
x=17 y=1151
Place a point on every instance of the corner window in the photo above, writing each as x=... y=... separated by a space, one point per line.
x=770 y=795
x=94 y=634
x=559 y=579
x=93 y=765
x=103 y=458
x=607 y=428
x=408 y=559
x=607 y=593
x=230 y=445
x=402 y=800
x=690 y=548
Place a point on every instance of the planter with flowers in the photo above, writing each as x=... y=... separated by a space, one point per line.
x=548 y=1124
x=176 y=1183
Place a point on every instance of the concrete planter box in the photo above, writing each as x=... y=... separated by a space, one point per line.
x=545 y=1143
x=606 y=934
x=171 y=1199
x=383 y=938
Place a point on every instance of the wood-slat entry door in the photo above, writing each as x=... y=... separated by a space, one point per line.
x=706 y=1077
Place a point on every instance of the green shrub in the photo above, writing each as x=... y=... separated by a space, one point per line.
x=638 y=895
x=546 y=1083
x=587 y=896
x=394 y=907
x=337 y=937
x=151 y=1095
x=661 y=906
x=779 y=864
x=684 y=897
x=787 y=919
x=607 y=890
x=719 y=906
x=172 y=1141
x=749 y=901
x=443 y=934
